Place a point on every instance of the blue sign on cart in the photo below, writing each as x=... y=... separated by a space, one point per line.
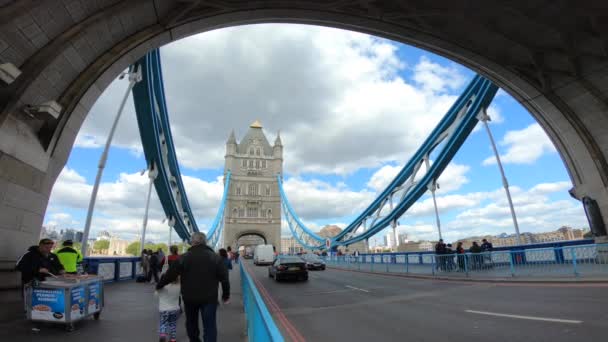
x=77 y=302
x=48 y=304
x=93 y=302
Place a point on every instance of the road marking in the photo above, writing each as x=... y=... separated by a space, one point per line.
x=356 y=288
x=557 y=320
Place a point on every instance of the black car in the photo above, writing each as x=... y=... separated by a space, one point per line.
x=288 y=266
x=313 y=262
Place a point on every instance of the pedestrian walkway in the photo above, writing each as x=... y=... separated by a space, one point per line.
x=129 y=315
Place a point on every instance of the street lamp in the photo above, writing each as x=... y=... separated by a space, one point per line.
x=484 y=118
x=134 y=77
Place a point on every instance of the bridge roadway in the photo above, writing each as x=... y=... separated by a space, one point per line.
x=338 y=305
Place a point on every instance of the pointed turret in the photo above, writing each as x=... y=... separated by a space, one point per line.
x=277 y=141
x=231 y=144
x=277 y=149
x=231 y=139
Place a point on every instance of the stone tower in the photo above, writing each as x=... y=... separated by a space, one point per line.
x=253 y=206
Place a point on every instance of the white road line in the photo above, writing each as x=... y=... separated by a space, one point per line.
x=557 y=320
x=356 y=288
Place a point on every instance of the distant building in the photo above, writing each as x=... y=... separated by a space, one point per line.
x=389 y=240
x=289 y=245
x=333 y=230
x=118 y=246
x=103 y=235
x=78 y=237
x=411 y=246
x=68 y=234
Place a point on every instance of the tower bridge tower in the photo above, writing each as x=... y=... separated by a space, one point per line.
x=253 y=205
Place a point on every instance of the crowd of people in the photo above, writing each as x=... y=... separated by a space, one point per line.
x=449 y=259
x=186 y=283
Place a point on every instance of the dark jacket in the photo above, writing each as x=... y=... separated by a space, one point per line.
x=201 y=269
x=33 y=260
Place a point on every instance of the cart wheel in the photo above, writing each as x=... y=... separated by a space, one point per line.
x=96 y=316
x=69 y=327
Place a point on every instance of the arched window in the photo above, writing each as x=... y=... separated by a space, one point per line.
x=263 y=163
x=269 y=212
x=244 y=163
x=238 y=190
x=257 y=151
x=251 y=164
x=257 y=164
x=251 y=150
x=267 y=190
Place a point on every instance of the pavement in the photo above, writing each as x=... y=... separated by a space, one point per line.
x=340 y=305
x=130 y=314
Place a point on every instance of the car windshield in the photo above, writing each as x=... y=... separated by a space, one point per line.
x=312 y=257
x=287 y=259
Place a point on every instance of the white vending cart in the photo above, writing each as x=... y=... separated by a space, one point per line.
x=65 y=300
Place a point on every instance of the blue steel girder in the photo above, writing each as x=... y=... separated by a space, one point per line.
x=173 y=165
x=410 y=184
x=217 y=227
x=153 y=124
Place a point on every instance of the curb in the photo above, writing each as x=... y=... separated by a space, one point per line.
x=483 y=280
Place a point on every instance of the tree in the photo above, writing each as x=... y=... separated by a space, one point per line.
x=133 y=248
x=101 y=245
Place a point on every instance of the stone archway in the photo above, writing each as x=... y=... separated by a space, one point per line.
x=71 y=53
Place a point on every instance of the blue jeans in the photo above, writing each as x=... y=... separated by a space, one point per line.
x=208 y=312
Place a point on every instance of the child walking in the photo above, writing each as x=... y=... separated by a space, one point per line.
x=169 y=309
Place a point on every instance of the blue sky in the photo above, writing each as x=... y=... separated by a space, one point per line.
x=351 y=108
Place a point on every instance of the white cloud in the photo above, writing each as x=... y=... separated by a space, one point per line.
x=452 y=178
x=325 y=89
x=524 y=146
x=319 y=200
x=120 y=204
x=483 y=213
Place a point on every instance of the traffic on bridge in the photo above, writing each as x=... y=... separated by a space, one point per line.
x=403 y=197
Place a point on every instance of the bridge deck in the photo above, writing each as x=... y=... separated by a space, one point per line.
x=129 y=315
x=340 y=305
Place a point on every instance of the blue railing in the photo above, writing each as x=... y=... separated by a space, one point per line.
x=260 y=325
x=588 y=261
x=113 y=268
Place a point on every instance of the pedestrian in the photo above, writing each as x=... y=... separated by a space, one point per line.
x=200 y=271
x=161 y=258
x=154 y=267
x=461 y=255
x=475 y=249
x=169 y=308
x=224 y=254
x=69 y=257
x=145 y=263
x=39 y=263
x=174 y=256
x=237 y=254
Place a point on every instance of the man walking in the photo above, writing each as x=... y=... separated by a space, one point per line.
x=69 y=257
x=201 y=269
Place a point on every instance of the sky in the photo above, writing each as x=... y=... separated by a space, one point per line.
x=351 y=110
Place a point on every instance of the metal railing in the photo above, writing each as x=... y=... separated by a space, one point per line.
x=583 y=261
x=260 y=325
x=113 y=268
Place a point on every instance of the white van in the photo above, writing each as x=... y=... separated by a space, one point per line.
x=263 y=255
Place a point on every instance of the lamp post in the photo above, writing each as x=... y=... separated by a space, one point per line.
x=484 y=118
x=134 y=77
